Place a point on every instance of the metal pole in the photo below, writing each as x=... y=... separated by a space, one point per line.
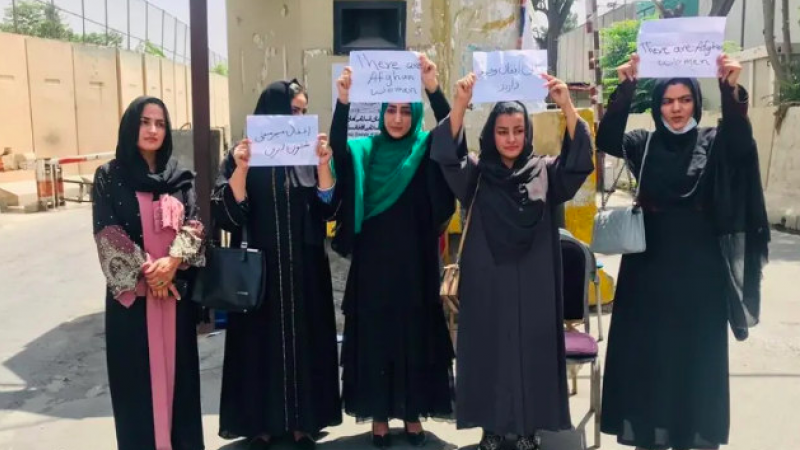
x=83 y=18
x=163 y=20
x=741 y=37
x=175 y=42
x=201 y=106
x=146 y=22
x=592 y=26
x=106 y=4
x=14 y=15
x=129 y=24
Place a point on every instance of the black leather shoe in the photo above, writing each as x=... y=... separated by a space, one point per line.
x=305 y=443
x=384 y=441
x=416 y=439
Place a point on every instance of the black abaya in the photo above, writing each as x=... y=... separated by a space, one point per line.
x=397 y=354
x=666 y=376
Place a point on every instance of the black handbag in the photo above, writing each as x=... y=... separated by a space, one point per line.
x=233 y=279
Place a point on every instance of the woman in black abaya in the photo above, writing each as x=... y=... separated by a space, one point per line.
x=148 y=236
x=280 y=373
x=666 y=377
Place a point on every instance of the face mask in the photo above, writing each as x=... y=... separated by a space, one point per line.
x=691 y=125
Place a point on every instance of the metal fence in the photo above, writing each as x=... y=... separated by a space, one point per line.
x=137 y=22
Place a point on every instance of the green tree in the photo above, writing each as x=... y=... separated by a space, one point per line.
x=220 y=69
x=619 y=42
x=36 y=19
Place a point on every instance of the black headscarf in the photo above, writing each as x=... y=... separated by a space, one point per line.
x=675 y=162
x=168 y=177
x=511 y=202
x=276 y=99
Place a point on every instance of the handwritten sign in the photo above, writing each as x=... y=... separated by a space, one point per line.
x=385 y=77
x=363 y=120
x=682 y=47
x=283 y=140
x=509 y=75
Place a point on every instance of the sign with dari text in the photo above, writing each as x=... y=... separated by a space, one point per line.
x=283 y=140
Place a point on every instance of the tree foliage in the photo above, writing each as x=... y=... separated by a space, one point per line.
x=619 y=42
x=43 y=20
x=220 y=69
x=36 y=19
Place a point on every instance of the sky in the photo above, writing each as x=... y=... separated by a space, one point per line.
x=217 y=19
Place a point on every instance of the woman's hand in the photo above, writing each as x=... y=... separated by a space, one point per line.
x=241 y=154
x=728 y=70
x=164 y=292
x=629 y=70
x=559 y=92
x=323 y=150
x=464 y=89
x=430 y=75
x=161 y=272
x=463 y=98
x=343 y=85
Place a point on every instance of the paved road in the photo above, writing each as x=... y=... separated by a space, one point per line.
x=53 y=392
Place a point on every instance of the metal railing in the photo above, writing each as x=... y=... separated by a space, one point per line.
x=129 y=24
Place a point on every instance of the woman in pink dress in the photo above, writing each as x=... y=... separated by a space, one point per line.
x=148 y=239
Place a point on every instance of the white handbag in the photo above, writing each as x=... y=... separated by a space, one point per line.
x=620 y=231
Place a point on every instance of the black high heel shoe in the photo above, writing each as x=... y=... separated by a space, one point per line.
x=384 y=441
x=416 y=439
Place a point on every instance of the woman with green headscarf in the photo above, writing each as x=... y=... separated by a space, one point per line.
x=393 y=205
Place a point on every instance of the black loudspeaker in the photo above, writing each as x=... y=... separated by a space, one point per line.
x=368 y=25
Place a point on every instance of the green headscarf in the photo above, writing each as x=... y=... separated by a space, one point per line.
x=383 y=166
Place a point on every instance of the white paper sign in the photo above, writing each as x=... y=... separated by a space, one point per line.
x=509 y=75
x=283 y=140
x=363 y=120
x=681 y=47
x=385 y=77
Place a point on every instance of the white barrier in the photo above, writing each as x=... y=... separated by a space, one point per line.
x=50 y=180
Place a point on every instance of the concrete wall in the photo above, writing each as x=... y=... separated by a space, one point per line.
x=60 y=99
x=15 y=110
x=783 y=178
x=96 y=101
x=778 y=153
x=131 y=80
x=152 y=76
x=52 y=93
x=182 y=113
x=168 y=94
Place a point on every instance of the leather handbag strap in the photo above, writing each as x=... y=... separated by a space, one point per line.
x=468 y=221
